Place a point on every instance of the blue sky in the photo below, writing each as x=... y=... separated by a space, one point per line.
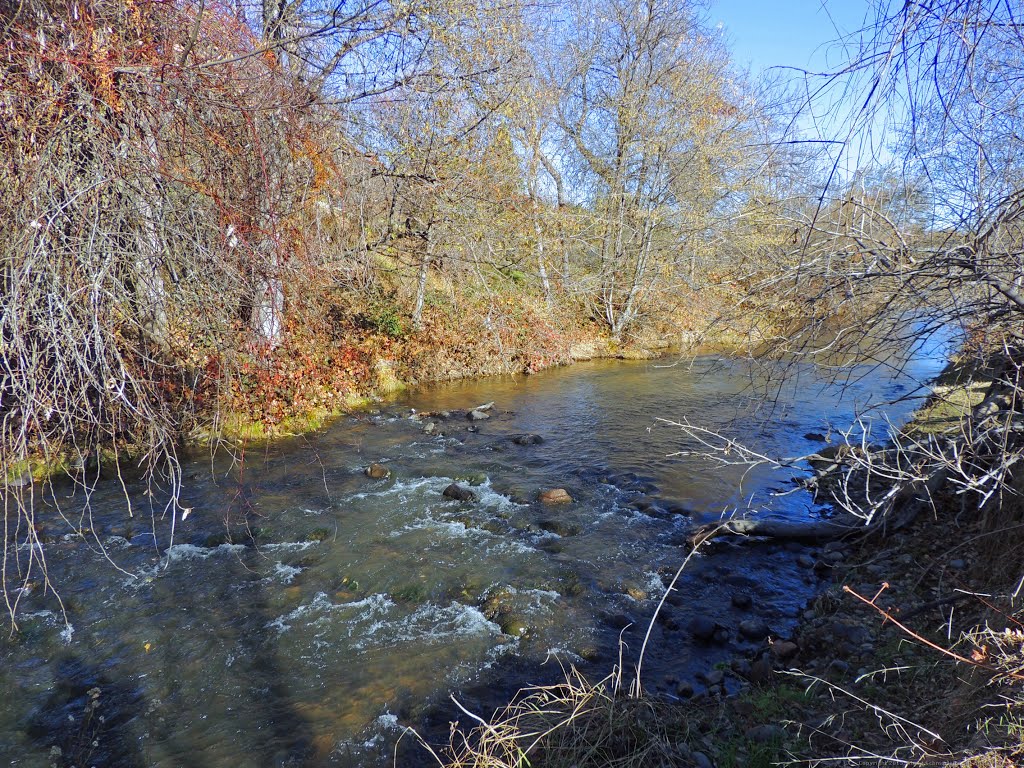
x=795 y=33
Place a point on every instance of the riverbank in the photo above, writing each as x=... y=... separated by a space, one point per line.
x=321 y=372
x=911 y=653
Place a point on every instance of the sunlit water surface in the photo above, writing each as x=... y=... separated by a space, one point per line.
x=339 y=608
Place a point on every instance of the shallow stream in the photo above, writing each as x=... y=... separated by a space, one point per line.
x=305 y=612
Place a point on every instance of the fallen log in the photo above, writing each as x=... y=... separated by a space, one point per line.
x=812 y=532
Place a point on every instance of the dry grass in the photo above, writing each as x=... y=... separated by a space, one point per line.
x=576 y=724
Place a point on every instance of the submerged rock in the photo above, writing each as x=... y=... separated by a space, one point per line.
x=527 y=439
x=742 y=600
x=514 y=625
x=560 y=527
x=555 y=496
x=473 y=478
x=456 y=491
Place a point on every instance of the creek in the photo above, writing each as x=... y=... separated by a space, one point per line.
x=305 y=612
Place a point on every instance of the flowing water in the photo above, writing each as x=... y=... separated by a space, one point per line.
x=305 y=612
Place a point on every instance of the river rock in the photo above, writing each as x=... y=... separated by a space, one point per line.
x=742 y=600
x=515 y=626
x=684 y=690
x=456 y=491
x=760 y=671
x=555 y=496
x=473 y=478
x=636 y=593
x=527 y=439
x=754 y=629
x=429 y=428
x=674 y=508
x=762 y=734
x=478 y=415
x=560 y=527
x=839 y=666
x=702 y=761
x=702 y=628
x=784 y=649
x=377 y=471
x=805 y=561
x=713 y=677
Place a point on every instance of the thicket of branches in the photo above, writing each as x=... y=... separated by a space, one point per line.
x=208 y=207
x=926 y=236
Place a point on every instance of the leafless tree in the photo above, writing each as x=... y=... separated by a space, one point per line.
x=916 y=237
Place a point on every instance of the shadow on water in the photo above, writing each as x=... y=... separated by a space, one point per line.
x=260 y=701
x=92 y=717
x=281 y=736
x=367 y=601
x=87 y=719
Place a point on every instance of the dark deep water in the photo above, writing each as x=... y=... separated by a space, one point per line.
x=364 y=603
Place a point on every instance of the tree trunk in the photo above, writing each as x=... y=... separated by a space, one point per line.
x=421 y=287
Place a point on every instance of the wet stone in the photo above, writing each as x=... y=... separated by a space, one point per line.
x=702 y=628
x=527 y=440
x=560 y=527
x=713 y=677
x=618 y=620
x=742 y=600
x=555 y=496
x=514 y=626
x=377 y=472
x=456 y=491
x=754 y=629
x=784 y=649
